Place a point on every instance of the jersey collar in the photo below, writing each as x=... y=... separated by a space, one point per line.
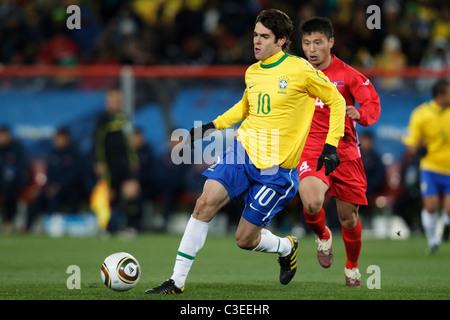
x=274 y=60
x=435 y=107
x=332 y=64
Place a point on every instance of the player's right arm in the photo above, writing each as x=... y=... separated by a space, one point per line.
x=234 y=115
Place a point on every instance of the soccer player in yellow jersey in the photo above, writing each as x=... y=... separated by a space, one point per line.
x=429 y=129
x=276 y=108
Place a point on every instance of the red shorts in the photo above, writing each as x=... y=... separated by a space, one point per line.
x=348 y=182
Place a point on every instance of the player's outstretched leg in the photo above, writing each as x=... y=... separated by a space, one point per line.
x=193 y=240
x=288 y=264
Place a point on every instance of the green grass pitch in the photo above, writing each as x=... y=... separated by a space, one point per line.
x=35 y=267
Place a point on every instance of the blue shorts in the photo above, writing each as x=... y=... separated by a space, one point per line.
x=432 y=183
x=267 y=191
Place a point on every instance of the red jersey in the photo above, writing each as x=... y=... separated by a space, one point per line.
x=353 y=86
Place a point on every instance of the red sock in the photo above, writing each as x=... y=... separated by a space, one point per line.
x=352 y=241
x=316 y=221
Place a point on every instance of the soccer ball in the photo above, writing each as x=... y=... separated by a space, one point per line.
x=120 y=271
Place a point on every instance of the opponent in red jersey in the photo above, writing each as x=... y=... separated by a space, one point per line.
x=348 y=182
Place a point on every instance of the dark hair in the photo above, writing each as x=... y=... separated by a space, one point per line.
x=279 y=23
x=5 y=129
x=439 y=87
x=137 y=130
x=367 y=134
x=317 y=24
x=63 y=131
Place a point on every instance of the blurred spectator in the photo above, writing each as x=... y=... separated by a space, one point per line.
x=391 y=58
x=59 y=50
x=117 y=162
x=128 y=22
x=146 y=175
x=441 y=27
x=212 y=14
x=12 y=31
x=62 y=189
x=405 y=27
x=13 y=175
x=437 y=57
x=409 y=202
x=187 y=22
x=87 y=37
x=172 y=181
x=374 y=168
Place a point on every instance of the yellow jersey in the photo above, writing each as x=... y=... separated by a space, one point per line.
x=278 y=105
x=429 y=125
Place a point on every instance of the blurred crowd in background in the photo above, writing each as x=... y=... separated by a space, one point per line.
x=64 y=180
x=149 y=32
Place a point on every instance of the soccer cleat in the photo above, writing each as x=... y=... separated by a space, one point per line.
x=352 y=277
x=288 y=264
x=324 y=251
x=167 y=287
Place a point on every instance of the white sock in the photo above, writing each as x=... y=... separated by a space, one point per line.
x=194 y=238
x=429 y=223
x=271 y=243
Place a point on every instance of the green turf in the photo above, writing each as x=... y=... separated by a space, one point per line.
x=34 y=267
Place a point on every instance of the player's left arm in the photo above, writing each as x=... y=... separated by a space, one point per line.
x=364 y=93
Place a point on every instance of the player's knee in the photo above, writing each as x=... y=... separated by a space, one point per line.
x=431 y=208
x=312 y=202
x=244 y=242
x=313 y=205
x=204 y=209
x=245 y=245
x=349 y=221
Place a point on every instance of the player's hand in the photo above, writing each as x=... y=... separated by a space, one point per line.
x=352 y=113
x=329 y=157
x=199 y=132
x=421 y=151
